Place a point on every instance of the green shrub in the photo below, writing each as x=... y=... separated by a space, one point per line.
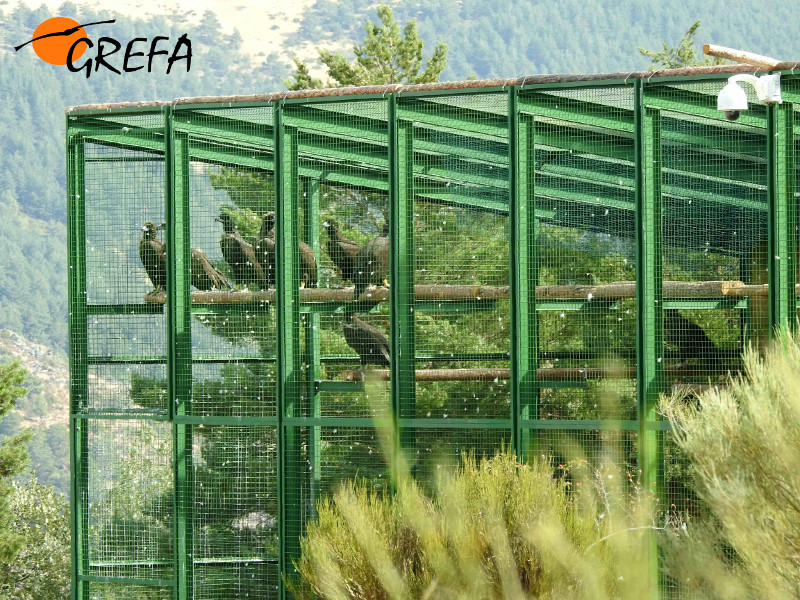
x=494 y=529
x=744 y=445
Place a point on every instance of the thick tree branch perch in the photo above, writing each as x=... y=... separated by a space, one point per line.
x=432 y=292
x=489 y=374
x=766 y=63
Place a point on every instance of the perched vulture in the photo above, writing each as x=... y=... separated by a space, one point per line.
x=690 y=340
x=153 y=253
x=370 y=343
x=342 y=251
x=265 y=249
x=308 y=266
x=239 y=254
x=372 y=263
x=206 y=276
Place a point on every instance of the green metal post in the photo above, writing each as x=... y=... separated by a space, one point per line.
x=312 y=355
x=78 y=364
x=401 y=269
x=287 y=304
x=649 y=301
x=524 y=274
x=179 y=353
x=782 y=241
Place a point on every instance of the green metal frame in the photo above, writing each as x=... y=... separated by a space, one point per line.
x=401 y=271
x=649 y=301
x=428 y=149
x=782 y=240
x=287 y=192
x=179 y=348
x=524 y=274
x=78 y=365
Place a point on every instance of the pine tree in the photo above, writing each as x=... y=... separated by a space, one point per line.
x=13 y=458
x=682 y=55
x=387 y=56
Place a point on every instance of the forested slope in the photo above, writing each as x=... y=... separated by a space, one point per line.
x=32 y=175
x=510 y=38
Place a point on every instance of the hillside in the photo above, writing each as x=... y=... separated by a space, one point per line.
x=511 y=38
x=264 y=29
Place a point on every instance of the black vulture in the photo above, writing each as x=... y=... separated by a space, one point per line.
x=342 y=251
x=372 y=263
x=690 y=340
x=206 y=276
x=239 y=254
x=153 y=253
x=265 y=249
x=308 y=266
x=369 y=342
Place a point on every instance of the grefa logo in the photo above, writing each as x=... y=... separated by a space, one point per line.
x=63 y=41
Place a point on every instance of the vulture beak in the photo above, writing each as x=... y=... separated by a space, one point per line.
x=144 y=228
x=162 y=226
x=218 y=219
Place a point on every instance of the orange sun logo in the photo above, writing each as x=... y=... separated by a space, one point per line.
x=54 y=37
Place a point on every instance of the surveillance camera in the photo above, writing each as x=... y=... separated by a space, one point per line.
x=732 y=100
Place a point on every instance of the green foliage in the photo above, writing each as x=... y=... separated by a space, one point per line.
x=13 y=458
x=41 y=569
x=496 y=528
x=743 y=447
x=682 y=55
x=386 y=56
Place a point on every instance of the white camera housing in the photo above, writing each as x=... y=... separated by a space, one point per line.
x=732 y=100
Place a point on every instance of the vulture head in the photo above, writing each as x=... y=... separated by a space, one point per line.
x=150 y=231
x=227 y=222
x=331 y=226
x=267 y=225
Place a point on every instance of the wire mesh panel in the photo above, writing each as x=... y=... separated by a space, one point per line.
x=715 y=230
x=110 y=591
x=461 y=252
x=439 y=451
x=585 y=251
x=235 y=502
x=123 y=187
x=123 y=496
x=128 y=502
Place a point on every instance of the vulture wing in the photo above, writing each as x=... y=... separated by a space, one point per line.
x=206 y=276
x=368 y=341
x=153 y=254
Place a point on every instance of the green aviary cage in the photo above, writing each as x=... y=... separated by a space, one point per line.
x=558 y=252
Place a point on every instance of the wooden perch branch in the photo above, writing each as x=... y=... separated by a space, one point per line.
x=432 y=292
x=489 y=374
x=749 y=58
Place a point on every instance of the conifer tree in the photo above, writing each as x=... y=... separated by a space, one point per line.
x=386 y=56
x=13 y=458
x=682 y=55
